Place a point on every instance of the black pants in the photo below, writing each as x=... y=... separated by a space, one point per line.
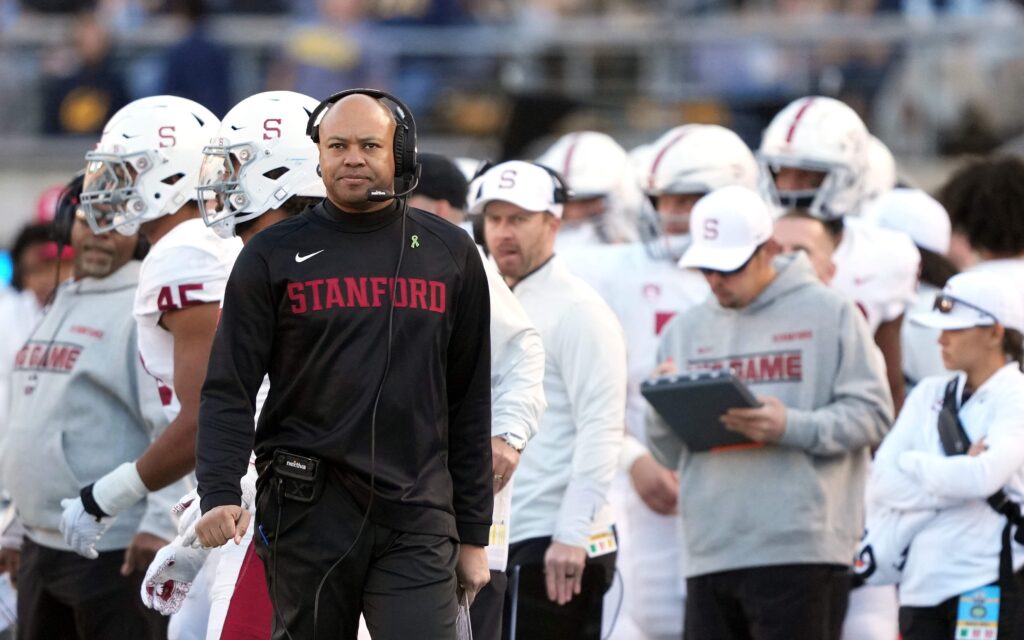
x=785 y=602
x=488 y=609
x=403 y=583
x=538 y=618
x=925 y=623
x=62 y=595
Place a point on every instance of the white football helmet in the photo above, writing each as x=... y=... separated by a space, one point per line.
x=817 y=134
x=146 y=164
x=259 y=159
x=880 y=171
x=689 y=159
x=697 y=158
x=596 y=166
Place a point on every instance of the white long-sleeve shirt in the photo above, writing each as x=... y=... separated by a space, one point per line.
x=517 y=363
x=564 y=476
x=958 y=550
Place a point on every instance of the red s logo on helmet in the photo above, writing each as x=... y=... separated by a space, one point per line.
x=268 y=128
x=710 y=228
x=167 y=137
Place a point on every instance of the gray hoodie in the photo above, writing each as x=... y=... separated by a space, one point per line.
x=800 y=501
x=81 y=404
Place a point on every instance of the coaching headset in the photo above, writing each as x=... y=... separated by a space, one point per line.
x=66 y=210
x=407 y=167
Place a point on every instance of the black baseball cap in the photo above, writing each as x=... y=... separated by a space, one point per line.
x=441 y=179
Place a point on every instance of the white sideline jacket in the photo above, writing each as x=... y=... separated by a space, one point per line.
x=958 y=549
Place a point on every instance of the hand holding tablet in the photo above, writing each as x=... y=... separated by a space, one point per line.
x=697 y=407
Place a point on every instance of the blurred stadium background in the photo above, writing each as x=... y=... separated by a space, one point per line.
x=934 y=79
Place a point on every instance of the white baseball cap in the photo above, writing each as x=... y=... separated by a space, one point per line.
x=975 y=299
x=916 y=214
x=524 y=184
x=727 y=226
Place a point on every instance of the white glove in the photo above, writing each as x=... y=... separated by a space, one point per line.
x=188 y=512
x=81 y=529
x=248 y=486
x=113 y=493
x=171 y=574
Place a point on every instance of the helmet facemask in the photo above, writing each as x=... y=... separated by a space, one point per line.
x=111 y=197
x=223 y=201
x=837 y=194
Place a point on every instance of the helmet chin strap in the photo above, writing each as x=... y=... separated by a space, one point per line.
x=675 y=245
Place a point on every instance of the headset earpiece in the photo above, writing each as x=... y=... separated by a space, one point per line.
x=66 y=209
x=562 y=193
x=406 y=160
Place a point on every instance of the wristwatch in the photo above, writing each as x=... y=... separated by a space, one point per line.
x=513 y=441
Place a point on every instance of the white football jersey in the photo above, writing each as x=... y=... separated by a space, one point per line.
x=645 y=293
x=186 y=267
x=877 y=269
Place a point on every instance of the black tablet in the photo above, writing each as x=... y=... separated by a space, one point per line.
x=691 y=405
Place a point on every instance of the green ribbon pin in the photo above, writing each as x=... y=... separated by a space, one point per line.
x=415 y=242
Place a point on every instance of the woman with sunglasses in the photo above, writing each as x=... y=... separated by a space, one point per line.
x=954 y=553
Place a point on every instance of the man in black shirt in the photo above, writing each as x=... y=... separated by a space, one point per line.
x=373 y=326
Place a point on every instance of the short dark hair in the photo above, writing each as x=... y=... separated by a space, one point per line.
x=441 y=179
x=31 y=235
x=936 y=269
x=832 y=227
x=985 y=201
x=1013 y=346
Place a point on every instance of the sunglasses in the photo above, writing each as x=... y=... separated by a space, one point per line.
x=945 y=303
x=737 y=270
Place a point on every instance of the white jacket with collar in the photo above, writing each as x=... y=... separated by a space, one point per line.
x=958 y=550
x=562 y=483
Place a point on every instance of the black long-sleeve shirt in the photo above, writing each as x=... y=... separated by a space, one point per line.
x=307 y=303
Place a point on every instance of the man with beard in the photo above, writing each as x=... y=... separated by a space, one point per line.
x=79 y=386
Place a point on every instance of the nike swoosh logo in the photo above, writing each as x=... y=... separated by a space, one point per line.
x=234 y=128
x=299 y=258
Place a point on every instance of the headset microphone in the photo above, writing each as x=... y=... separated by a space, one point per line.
x=380 y=195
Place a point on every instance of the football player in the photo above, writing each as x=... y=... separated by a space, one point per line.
x=142 y=177
x=814 y=156
x=605 y=200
